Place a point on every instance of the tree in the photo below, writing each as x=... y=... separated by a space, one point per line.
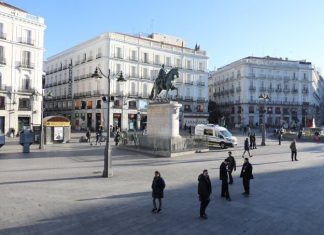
x=214 y=113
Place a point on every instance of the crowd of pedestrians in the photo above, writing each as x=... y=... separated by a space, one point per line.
x=226 y=169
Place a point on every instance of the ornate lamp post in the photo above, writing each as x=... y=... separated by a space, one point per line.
x=108 y=170
x=264 y=98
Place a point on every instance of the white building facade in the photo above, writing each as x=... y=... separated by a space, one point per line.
x=291 y=86
x=21 y=68
x=140 y=59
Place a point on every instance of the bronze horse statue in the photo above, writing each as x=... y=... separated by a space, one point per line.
x=160 y=85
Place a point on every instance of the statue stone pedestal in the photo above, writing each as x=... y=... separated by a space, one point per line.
x=163 y=120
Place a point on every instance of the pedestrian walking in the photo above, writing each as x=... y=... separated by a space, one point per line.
x=249 y=131
x=88 y=135
x=246 y=148
x=254 y=141
x=98 y=137
x=293 y=149
x=280 y=136
x=204 y=192
x=251 y=140
x=158 y=186
x=246 y=174
x=224 y=178
x=231 y=166
x=117 y=137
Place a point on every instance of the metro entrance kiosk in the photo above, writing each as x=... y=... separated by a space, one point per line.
x=57 y=129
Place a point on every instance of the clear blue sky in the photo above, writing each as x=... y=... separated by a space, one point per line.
x=227 y=29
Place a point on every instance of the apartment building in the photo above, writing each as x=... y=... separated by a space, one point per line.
x=78 y=96
x=21 y=68
x=291 y=85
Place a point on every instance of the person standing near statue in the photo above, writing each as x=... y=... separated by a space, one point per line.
x=224 y=178
x=246 y=174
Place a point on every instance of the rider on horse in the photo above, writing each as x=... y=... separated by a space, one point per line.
x=162 y=75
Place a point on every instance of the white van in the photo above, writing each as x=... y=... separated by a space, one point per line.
x=216 y=135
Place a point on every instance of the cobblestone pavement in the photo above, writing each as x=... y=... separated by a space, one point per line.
x=61 y=191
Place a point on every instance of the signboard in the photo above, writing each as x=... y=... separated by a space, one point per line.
x=58 y=133
x=56 y=123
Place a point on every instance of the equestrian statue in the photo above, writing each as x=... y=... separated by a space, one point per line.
x=164 y=82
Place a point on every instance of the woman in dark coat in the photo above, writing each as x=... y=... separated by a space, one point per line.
x=246 y=148
x=158 y=186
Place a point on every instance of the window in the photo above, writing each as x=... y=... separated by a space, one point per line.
x=2 y=102
x=2 y=58
x=208 y=132
x=90 y=104
x=168 y=61
x=83 y=104
x=251 y=109
x=132 y=104
x=145 y=73
x=25 y=84
x=133 y=89
x=118 y=68
x=201 y=66
x=189 y=64
x=178 y=63
x=27 y=37
x=24 y=104
x=2 y=35
x=26 y=59
x=278 y=110
x=157 y=59
x=133 y=57
x=133 y=71
x=145 y=91
x=119 y=53
x=98 y=53
x=146 y=58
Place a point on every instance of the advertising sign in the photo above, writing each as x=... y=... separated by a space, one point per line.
x=58 y=133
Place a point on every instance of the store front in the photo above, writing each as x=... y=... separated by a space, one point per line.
x=132 y=121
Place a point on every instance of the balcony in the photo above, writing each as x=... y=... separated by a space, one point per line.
x=24 y=108
x=117 y=106
x=278 y=90
x=133 y=59
x=294 y=91
x=200 y=84
x=189 y=82
x=27 y=41
x=3 y=60
x=305 y=91
x=262 y=89
x=90 y=58
x=188 y=98
x=3 y=36
x=286 y=90
x=133 y=94
x=270 y=89
x=26 y=65
x=252 y=88
x=231 y=91
x=238 y=89
x=201 y=99
x=83 y=60
x=98 y=56
x=77 y=63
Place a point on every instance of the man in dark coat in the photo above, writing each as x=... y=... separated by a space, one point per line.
x=293 y=149
x=231 y=166
x=204 y=191
x=246 y=174
x=224 y=178
x=246 y=148
x=280 y=136
x=158 y=186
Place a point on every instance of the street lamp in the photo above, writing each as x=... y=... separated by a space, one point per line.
x=108 y=170
x=47 y=95
x=265 y=98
